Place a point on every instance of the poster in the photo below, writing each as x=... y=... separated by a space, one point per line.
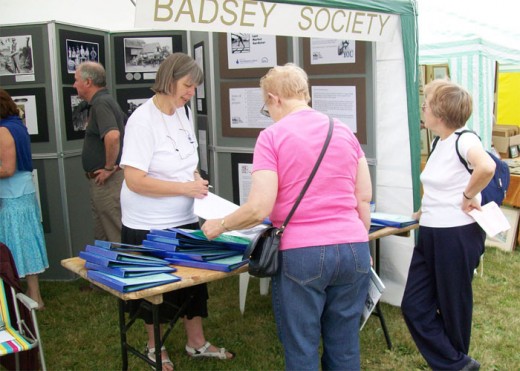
x=244 y=108
x=338 y=102
x=332 y=51
x=251 y=50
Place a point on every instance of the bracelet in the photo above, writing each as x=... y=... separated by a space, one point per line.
x=466 y=197
x=222 y=224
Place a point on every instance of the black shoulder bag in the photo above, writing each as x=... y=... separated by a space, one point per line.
x=262 y=251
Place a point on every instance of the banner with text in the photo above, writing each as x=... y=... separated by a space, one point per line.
x=243 y=16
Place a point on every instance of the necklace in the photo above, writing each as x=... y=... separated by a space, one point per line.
x=189 y=148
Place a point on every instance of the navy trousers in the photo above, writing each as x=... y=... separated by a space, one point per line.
x=438 y=299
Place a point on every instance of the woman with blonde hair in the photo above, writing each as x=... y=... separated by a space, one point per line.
x=321 y=287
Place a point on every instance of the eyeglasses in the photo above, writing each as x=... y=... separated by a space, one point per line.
x=264 y=111
x=187 y=147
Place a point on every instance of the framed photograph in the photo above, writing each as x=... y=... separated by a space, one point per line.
x=328 y=56
x=513 y=151
x=241 y=102
x=76 y=114
x=137 y=58
x=440 y=72
x=200 y=93
x=241 y=165
x=16 y=56
x=77 y=47
x=130 y=99
x=506 y=240
x=32 y=106
x=250 y=55
x=19 y=47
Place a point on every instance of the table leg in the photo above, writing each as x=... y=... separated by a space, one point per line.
x=378 y=312
x=157 y=337
x=122 y=332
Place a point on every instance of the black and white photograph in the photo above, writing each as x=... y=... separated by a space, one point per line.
x=240 y=42
x=77 y=47
x=31 y=104
x=145 y=54
x=137 y=58
x=79 y=52
x=76 y=114
x=130 y=99
x=16 y=55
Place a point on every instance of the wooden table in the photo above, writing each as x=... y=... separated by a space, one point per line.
x=154 y=296
x=195 y=276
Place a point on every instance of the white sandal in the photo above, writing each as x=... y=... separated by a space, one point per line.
x=150 y=353
x=203 y=352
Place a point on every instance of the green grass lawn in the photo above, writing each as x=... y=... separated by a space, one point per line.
x=80 y=329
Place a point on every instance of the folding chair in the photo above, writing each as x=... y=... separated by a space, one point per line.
x=20 y=338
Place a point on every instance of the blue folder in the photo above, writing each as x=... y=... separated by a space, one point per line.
x=108 y=262
x=224 y=265
x=134 y=283
x=122 y=256
x=130 y=270
x=391 y=220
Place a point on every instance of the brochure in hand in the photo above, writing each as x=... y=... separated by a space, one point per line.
x=375 y=290
x=133 y=283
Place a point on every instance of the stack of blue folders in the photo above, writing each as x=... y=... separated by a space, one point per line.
x=380 y=220
x=126 y=268
x=191 y=248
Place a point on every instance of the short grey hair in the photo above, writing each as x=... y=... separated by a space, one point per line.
x=174 y=68
x=94 y=71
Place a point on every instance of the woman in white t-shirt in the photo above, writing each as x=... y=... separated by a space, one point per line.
x=161 y=182
x=438 y=298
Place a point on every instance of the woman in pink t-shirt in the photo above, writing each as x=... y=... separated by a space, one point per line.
x=320 y=289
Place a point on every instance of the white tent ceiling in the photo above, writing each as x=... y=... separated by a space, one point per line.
x=439 y=20
x=453 y=20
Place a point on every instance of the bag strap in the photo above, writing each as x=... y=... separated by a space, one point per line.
x=464 y=162
x=309 y=180
x=461 y=159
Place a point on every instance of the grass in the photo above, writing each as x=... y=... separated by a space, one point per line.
x=80 y=329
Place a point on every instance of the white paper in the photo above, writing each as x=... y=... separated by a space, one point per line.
x=213 y=207
x=244 y=109
x=337 y=101
x=491 y=219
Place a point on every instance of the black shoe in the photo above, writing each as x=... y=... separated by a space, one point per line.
x=472 y=365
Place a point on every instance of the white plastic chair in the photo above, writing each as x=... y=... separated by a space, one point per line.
x=244 y=282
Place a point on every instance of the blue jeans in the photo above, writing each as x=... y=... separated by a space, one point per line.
x=319 y=292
